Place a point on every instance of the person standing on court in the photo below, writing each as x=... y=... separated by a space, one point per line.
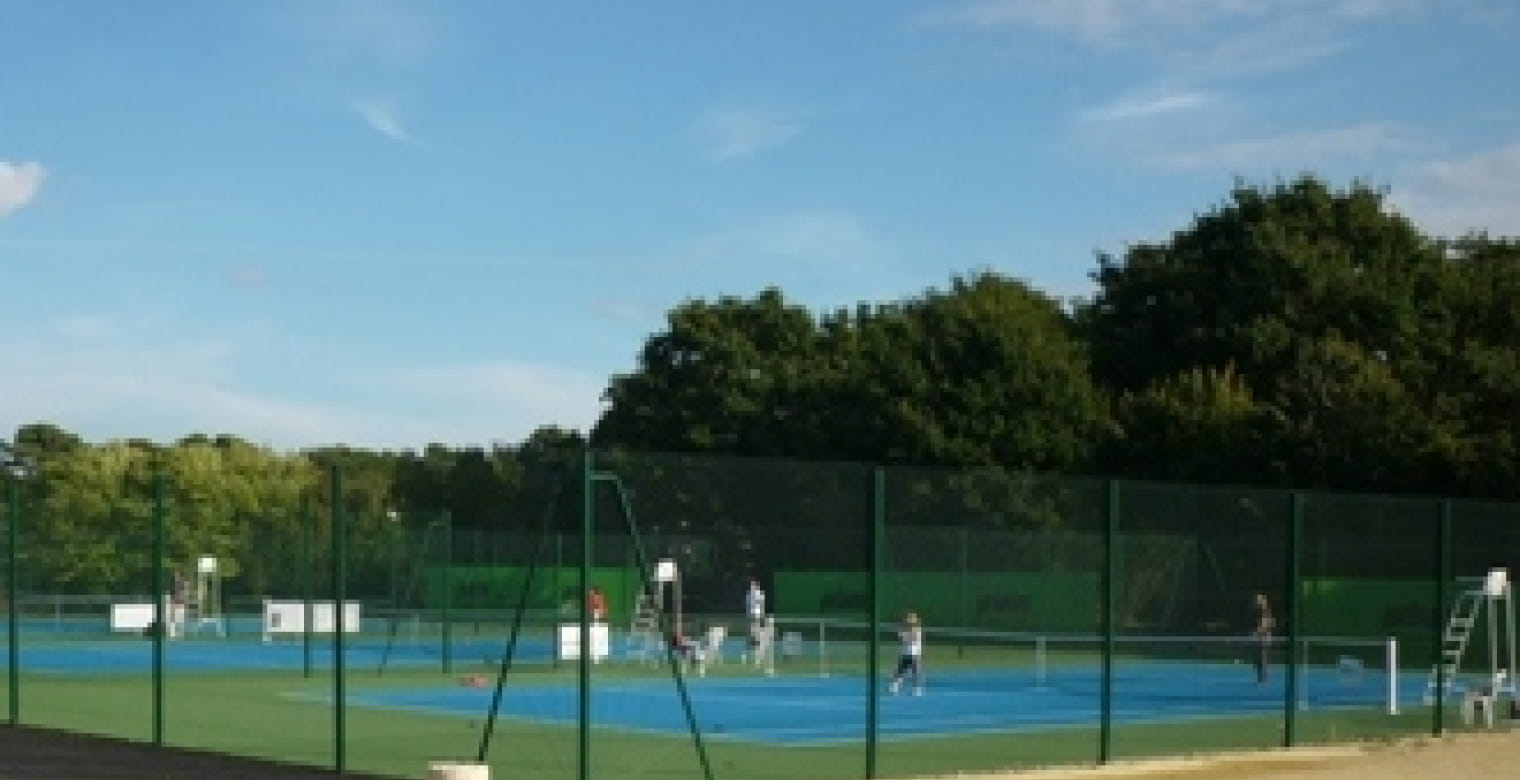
x=754 y=608
x=911 y=659
x=1262 y=627
x=597 y=603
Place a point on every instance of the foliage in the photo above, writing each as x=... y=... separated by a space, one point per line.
x=1295 y=335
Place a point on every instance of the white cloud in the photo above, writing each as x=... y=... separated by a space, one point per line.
x=628 y=310
x=19 y=184
x=811 y=238
x=486 y=399
x=386 y=30
x=1128 y=21
x=384 y=117
x=112 y=378
x=1148 y=105
x=1287 y=152
x=735 y=134
x=1204 y=39
x=1476 y=192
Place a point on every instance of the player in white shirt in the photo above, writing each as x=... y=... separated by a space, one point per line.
x=754 y=608
x=911 y=660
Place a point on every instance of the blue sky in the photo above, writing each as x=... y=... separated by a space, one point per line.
x=389 y=223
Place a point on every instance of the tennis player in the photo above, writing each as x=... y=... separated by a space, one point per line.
x=597 y=603
x=754 y=607
x=911 y=661
x=765 y=643
x=1261 y=631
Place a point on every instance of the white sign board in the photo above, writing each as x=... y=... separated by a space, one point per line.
x=569 y=645
x=289 y=617
x=131 y=617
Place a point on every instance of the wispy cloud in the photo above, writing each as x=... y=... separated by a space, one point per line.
x=1207 y=39
x=19 y=185
x=736 y=134
x=1295 y=151
x=386 y=30
x=1114 y=21
x=383 y=116
x=108 y=377
x=822 y=238
x=1475 y=192
x=494 y=398
x=1148 y=105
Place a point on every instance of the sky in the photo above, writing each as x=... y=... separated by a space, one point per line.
x=386 y=223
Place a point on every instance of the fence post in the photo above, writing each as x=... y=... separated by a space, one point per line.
x=339 y=530
x=1290 y=615
x=13 y=580
x=873 y=672
x=160 y=617
x=1443 y=578
x=1108 y=598
x=584 y=660
x=447 y=587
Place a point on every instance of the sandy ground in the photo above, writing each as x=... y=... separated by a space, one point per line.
x=40 y=754
x=1468 y=756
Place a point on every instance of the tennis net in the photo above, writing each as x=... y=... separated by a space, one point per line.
x=1330 y=671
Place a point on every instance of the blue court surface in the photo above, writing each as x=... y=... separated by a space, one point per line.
x=823 y=710
x=125 y=656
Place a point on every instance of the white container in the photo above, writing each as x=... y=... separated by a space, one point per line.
x=455 y=770
x=1497 y=583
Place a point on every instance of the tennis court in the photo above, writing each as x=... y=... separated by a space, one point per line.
x=802 y=710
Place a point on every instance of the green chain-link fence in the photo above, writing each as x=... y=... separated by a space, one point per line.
x=1063 y=621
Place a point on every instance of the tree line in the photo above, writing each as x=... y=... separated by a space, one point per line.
x=1293 y=335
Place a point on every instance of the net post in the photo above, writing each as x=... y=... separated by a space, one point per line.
x=1391 y=650
x=1039 y=660
x=823 y=648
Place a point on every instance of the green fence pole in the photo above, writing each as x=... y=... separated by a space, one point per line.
x=447 y=617
x=873 y=659
x=1291 y=610
x=12 y=582
x=308 y=566
x=340 y=738
x=965 y=580
x=1443 y=596
x=1107 y=598
x=584 y=700
x=160 y=619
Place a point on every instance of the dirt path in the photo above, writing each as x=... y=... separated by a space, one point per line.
x=1473 y=756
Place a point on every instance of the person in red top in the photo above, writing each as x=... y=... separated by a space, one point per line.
x=597 y=604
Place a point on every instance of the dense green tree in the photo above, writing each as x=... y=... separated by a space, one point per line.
x=723 y=377
x=1474 y=366
x=985 y=373
x=1326 y=305
x=1201 y=425
x=1247 y=283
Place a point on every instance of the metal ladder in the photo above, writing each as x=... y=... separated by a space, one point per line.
x=644 y=633
x=1459 y=628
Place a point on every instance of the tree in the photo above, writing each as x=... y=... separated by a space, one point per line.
x=720 y=378
x=1201 y=425
x=1326 y=305
x=1474 y=365
x=986 y=374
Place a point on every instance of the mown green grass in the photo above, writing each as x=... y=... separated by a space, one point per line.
x=286 y=716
